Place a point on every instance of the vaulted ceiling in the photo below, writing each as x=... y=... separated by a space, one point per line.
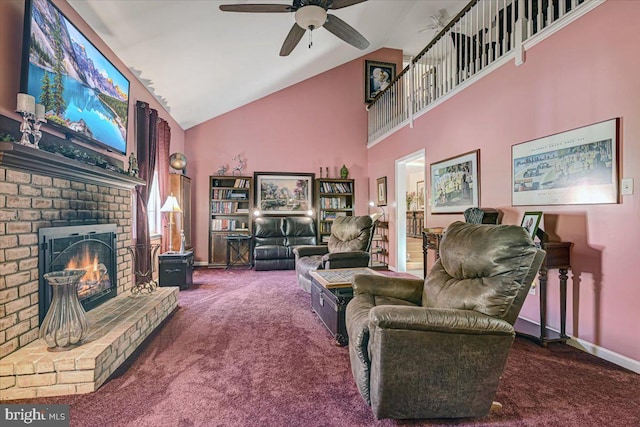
x=200 y=62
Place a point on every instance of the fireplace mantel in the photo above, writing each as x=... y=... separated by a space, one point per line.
x=16 y=156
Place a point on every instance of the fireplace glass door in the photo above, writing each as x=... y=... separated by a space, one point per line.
x=91 y=248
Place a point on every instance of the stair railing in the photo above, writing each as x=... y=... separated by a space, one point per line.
x=484 y=35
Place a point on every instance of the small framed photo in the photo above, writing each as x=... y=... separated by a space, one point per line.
x=530 y=222
x=377 y=76
x=381 y=184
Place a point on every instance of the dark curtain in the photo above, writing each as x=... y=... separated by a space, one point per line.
x=164 y=142
x=147 y=139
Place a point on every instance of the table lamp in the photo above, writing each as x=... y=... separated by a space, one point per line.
x=171 y=206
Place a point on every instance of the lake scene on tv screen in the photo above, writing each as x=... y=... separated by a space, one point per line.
x=80 y=89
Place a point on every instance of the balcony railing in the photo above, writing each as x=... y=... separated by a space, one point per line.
x=485 y=34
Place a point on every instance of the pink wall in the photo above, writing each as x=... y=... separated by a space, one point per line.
x=11 y=21
x=320 y=122
x=584 y=74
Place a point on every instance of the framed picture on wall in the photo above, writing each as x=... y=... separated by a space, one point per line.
x=454 y=184
x=283 y=193
x=377 y=76
x=576 y=167
x=381 y=185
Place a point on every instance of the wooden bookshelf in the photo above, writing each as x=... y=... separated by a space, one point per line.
x=334 y=198
x=230 y=206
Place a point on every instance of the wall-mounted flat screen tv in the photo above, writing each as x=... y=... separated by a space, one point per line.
x=84 y=95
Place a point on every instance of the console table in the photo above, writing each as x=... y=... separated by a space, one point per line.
x=558 y=256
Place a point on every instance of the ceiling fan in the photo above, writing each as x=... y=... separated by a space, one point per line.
x=310 y=15
x=441 y=19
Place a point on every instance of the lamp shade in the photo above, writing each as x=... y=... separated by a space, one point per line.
x=311 y=17
x=171 y=205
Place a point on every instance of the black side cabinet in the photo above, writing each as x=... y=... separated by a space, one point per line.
x=176 y=269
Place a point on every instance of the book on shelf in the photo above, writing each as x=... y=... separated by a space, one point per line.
x=333 y=203
x=331 y=215
x=227 y=208
x=241 y=183
x=223 y=224
x=222 y=193
x=335 y=187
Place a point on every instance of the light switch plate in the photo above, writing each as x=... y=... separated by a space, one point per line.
x=627 y=186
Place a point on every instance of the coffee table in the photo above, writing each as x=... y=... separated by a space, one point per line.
x=331 y=291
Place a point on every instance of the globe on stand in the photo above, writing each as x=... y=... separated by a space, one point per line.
x=178 y=161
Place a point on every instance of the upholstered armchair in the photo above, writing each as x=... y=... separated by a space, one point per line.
x=437 y=348
x=348 y=247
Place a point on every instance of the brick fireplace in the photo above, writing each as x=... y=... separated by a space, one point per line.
x=43 y=190
x=30 y=201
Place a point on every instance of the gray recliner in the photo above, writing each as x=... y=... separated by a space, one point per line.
x=348 y=247
x=437 y=348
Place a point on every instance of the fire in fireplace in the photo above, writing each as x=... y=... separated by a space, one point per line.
x=87 y=247
x=96 y=278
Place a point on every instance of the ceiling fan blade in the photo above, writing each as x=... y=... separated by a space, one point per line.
x=294 y=36
x=261 y=8
x=346 y=32
x=339 y=4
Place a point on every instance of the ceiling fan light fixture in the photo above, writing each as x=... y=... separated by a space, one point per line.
x=311 y=17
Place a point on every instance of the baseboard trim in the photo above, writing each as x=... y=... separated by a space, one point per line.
x=600 y=352
x=608 y=355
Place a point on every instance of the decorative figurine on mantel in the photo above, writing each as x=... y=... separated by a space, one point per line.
x=223 y=169
x=133 y=166
x=320 y=171
x=344 y=172
x=327 y=170
x=240 y=166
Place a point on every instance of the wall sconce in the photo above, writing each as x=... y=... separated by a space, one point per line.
x=171 y=206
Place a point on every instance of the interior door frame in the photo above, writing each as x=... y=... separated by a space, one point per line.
x=401 y=206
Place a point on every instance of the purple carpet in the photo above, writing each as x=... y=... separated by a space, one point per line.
x=244 y=349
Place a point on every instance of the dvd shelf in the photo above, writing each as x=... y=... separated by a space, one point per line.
x=334 y=198
x=229 y=213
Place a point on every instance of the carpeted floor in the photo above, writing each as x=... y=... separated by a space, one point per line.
x=244 y=349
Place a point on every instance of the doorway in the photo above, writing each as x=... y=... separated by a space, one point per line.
x=410 y=206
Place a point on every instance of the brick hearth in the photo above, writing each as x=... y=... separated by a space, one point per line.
x=118 y=327
x=39 y=189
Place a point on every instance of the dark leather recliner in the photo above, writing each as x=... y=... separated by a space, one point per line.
x=483 y=216
x=348 y=247
x=276 y=237
x=437 y=348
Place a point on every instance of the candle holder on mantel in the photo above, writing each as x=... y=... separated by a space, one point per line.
x=65 y=325
x=32 y=118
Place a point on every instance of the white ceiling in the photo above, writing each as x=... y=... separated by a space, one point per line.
x=200 y=62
